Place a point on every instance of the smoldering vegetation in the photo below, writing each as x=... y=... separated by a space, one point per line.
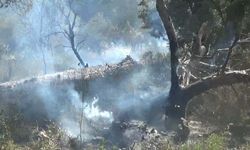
x=98 y=106
x=91 y=108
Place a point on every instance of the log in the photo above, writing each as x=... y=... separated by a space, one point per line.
x=75 y=75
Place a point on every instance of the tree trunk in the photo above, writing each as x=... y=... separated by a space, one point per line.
x=78 y=57
x=167 y=22
x=73 y=47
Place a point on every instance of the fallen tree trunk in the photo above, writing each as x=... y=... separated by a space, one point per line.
x=76 y=75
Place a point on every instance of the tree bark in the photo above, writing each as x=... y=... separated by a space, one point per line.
x=167 y=22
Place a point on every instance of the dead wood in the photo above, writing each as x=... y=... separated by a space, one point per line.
x=76 y=75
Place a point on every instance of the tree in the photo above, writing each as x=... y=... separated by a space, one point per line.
x=211 y=26
x=69 y=32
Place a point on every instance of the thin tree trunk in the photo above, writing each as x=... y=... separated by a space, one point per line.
x=71 y=37
x=78 y=57
x=40 y=40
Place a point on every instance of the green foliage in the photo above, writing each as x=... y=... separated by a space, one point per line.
x=102 y=145
x=213 y=142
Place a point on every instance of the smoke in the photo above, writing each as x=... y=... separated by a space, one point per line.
x=108 y=29
x=136 y=95
x=111 y=31
x=93 y=112
x=64 y=105
x=89 y=118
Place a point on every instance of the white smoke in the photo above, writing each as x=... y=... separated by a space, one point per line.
x=108 y=37
x=76 y=117
x=93 y=112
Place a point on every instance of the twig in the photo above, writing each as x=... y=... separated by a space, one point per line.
x=223 y=68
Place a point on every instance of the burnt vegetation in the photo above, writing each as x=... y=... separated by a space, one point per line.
x=194 y=95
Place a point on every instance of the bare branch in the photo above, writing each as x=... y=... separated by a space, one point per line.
x=244 y=41
x=74 y=21
x=65 y=46
x=79 y=43
x=66 y=33
x=69 y=33
x=229 y=54
x=80 y=47
x=212 y=55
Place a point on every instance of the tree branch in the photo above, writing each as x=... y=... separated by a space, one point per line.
x=78 y=45
x=244 y=41
x=215 y=81
x=223 y=68
x=74 y=21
